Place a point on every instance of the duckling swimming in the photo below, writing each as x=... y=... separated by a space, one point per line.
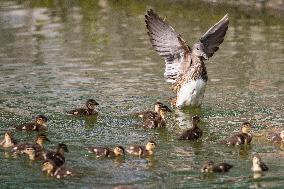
x=157 y=120
x=210 y=167
x=276 y=137
x=258 y=165
x=106 y=152
x=54 y=171
x=58 y=156
x=38 y=145
x=8 y=141
x=38 y=125
x=89 y=110
x=244 y=137
x=142 y=150
x=193 y=133
x=150 y=114
x=31 y=152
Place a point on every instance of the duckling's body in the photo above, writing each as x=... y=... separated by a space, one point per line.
x=87 y=111
x=193 y=133
x=244 y=137
x=157 y=120
x=142 y=150
x=33 y=154
x=211 y=167
x=58 y=156
x=276 y=137
x=258 y=165
x=55 y=171
x=106 y=152
x=8 y=141
x=38 y=125
x=151 y=114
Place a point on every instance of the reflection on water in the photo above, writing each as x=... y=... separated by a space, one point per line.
x=56 y=54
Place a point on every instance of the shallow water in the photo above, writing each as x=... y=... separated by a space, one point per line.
x=54 y=55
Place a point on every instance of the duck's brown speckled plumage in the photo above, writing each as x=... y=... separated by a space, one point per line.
x=211 y=167
x=150 y=114
x=157 y=120
x=57 y=172
x=193 y=133
x=276 y=137
x=142 y=151
x=87 y=111
x=106 y=152
x=58 y=156
x=184 y=65
x=38 y=125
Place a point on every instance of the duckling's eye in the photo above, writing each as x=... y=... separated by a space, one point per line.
x=197 y=49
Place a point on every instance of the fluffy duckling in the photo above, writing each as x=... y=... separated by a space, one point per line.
x=210 y=167
x=142 y=150
x=193 y=133
x=89 y=110
x=149 y=114
x=54 y=171
x=8 y=141
x=244 y=137
x=276 y=137
x=40 y=124
x=258 y=165
x=32 y=154
x=106 y=152
x=58 y=156
x=38 y=145
x=157 y=120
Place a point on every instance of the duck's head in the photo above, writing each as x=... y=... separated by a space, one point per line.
x=41 y=120
x=246 y=127
x=195 y=120
x=163 y=110
x=30 y=151
x=198 y=50
x=118 y=151
x=157 y=106
x=256 y=160
x=41 y=139
x=91 y=104
x=62 y=148
x=8 y=136
x=48 y=166
x=151 y=145
x=208 y=166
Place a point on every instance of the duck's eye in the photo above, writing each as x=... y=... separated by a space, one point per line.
x=197 y=49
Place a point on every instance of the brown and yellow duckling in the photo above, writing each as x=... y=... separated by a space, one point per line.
x=57 y=156
x=54 y=171
x=244 y=137
x=38 y=145
x=40 y=124
x=8 y=141
x=276 y=137
x=157 y=120
x=257 y=164
x=90 y=109
x=142 y=150
x=210 y=167
x=33 y=154
x=194 y=132
x=150 y=114
x=106 y=152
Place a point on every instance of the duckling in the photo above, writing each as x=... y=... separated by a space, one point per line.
x=89 y=110
x=210 y=167
x=276 y=137
x=143 y=150
x=58 y=156
x=244 y=137
x=193 y=133
x=8 y=141
x=257 y=164
x=54 y=171
x=31 y=152
x=106 y=152
x=147 y=114
x=38 y=145
x=157 y=120
x=38 y=125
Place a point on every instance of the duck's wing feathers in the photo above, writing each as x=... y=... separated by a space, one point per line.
x=263 y=166
x=215 y=36
x=168 y=44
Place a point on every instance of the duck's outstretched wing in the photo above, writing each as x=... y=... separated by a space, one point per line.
x=215 y=36
x=168 y=44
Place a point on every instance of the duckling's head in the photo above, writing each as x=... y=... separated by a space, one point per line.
x=195 y=120
x=91 y=104
x=62 y=147
x=246 y=127
x=30 y=151
x=198 y=50
x=8 y=136
x=207 y=167
x=118 y=151
x=41 y=139
x=151 y=145
x=48 y=166
x=256 y=160
x=41 y=120
x=163 y=110
x=157 y=106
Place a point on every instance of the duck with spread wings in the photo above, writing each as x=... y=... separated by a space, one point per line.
x=185 y=67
